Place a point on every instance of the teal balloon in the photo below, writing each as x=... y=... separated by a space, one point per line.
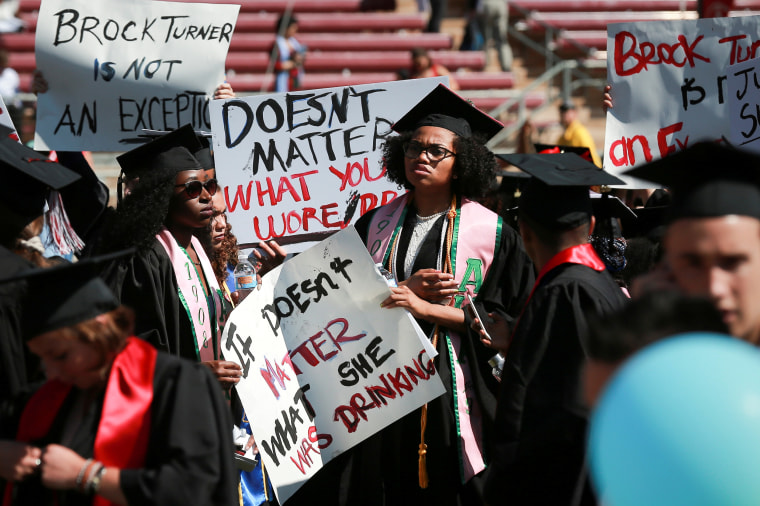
x=679 y=424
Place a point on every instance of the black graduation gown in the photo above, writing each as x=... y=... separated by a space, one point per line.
x=189 y=458
x=505 y=288
x=541 y=418
x=18 y=367
x=146 y=282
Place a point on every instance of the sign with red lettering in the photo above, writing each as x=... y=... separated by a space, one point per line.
x=669 y=85
x=115 y=68
x=324 y=366
x=744 y=104
x=299 y=166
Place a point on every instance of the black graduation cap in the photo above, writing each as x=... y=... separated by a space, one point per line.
x=203 y=155
x=608 y=208
x=558 y=195
x=650 y=221
x=65 y=295
x=444 y=108
x=27 y=177
x=550 y=149
x=707 y=179
x=174 y=149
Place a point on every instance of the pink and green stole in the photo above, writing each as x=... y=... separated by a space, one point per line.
x=190 y=291
x=477 y=233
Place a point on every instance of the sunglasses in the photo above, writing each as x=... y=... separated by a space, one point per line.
x=194 y=189
x=435 y=153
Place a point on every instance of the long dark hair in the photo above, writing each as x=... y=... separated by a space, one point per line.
x=142 y=214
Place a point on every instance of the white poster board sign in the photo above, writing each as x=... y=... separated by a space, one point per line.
x=299 y=166
x=324 y=366
x=6 y=121
x=669 y=85
x=115 y=68
x=744 y=104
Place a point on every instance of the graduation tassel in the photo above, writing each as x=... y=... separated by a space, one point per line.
x=423 y=477
x=62 y=233
x=422 y=451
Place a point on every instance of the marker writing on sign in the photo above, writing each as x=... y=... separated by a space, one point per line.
x=313 y=290
x=71 y=26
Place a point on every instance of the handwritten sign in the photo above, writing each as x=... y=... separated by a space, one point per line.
x=298 y=166
x=669 y=85
x=115 y=68
x=744 y=104
x=324 y=366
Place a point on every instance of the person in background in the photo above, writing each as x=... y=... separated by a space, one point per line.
x=86 y=437
x=439 y=243
x=539 y=449
x=288 y=55
x=437 y=13
x=575 y=134
x=169 y=281
x=616 y=336
x=423 y=66
x=493 y=17
x=26 y=188
x=9 y=87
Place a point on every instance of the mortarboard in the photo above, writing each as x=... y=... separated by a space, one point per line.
x=65 y=295
x=707 y=180
x=557 y=195
x=607 y=208
x=549 y=149
x=173 y=149
x=27 y=177
x=203 y=155
x=445 y=109
x=650 y=221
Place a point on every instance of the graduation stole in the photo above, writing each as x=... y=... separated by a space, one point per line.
x=124 y=427
x=582 y=254
x=190 y=291
x=475 y=236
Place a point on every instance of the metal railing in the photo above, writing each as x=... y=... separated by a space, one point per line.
x=572 y=73
x=572 y=78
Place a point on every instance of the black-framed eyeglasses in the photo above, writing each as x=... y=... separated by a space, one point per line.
x=195 y=188
x=435 y=153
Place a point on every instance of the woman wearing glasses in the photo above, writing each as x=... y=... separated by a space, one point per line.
x=440 y=245
x=169 y=281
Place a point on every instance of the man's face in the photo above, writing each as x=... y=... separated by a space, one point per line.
x=720 y=258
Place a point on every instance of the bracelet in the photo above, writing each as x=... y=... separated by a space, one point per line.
x=80 y=476
x=94 y=485
x=92 y=471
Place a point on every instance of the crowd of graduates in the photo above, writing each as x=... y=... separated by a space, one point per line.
x=115 y=390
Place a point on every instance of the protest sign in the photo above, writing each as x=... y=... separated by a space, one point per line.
x=324 y=366
x=5 y=120
x=115 y=68
x=744 y=104
x=298 y=166
x=669 y=85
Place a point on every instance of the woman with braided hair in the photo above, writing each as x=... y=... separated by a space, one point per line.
x=440 y=244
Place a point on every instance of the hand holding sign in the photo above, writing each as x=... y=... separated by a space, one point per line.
x=116 y=68
x=324 y=367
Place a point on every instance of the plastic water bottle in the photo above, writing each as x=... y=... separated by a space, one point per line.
x=245 y=277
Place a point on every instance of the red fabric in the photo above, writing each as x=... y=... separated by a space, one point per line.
x=122 y=438
x=583 y=254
